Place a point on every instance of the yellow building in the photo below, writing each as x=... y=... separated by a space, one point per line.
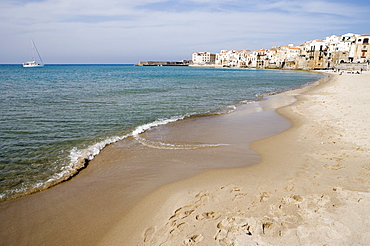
x=362 y=54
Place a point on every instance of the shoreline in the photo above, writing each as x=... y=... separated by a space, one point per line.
x=311 y=186
x=80 y=158
x=124 y=172
x=92 y=208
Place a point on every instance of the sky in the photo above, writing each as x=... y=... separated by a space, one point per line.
x=129 y=31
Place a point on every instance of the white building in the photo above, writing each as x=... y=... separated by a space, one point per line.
x=362 y=50
x=288 y=56
x=227 y=58
x=332 y=52
x=203 y=58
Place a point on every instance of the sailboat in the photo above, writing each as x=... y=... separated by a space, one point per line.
x=33 y=63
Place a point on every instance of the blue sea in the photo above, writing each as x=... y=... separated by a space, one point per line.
x=51 y=117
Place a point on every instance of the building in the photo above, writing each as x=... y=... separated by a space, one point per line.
x=232 y=58
x=362 y=50
x=348 y=51
x=204 y=58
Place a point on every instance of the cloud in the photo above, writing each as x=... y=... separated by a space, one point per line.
x=126 y=31
x=315 y=7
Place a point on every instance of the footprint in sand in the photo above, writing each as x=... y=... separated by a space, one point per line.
x=239 y=196
x=193 y=240
x=264 y=196
x=366 y=167
x=201 y=199
x=181 y=213
x=148 y=234
x=207 y=216
x=334 y=167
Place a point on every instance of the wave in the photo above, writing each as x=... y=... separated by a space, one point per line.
x=79 y=159
x=145 y=127
x=174 y=146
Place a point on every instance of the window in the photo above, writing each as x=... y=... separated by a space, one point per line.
x=366 y=41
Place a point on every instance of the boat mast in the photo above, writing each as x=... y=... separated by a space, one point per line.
x=33 y=51
x=38 y=54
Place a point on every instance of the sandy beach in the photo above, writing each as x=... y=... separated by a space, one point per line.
x=84 y=209
x=310 y=188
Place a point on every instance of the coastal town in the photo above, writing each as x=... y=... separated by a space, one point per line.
x=348 y=52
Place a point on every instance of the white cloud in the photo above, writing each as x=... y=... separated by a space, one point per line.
x=126 y=31
x=319 y=7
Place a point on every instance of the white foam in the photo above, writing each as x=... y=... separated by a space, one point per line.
x=162 y=145
x=143 y=128
x=77 y=161
x=78 y=157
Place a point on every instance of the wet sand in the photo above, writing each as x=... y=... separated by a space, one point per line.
x=87 y=208
x=312 y=186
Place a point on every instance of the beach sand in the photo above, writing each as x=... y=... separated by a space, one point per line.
x=84 y=209
x=311 y=185
x=310 y=188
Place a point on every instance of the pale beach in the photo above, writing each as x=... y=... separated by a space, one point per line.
x=310 y=188
x=305 y=181
x=184 y=123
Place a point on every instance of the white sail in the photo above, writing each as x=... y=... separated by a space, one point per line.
x=34 y=63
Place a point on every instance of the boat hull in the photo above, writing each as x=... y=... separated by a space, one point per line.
x=37 y=65
x=32 y=64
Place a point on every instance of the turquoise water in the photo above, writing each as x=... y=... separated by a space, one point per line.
x=52 y=117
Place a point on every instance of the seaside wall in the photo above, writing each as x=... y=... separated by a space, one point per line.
x=164 y=63
x=353 y=66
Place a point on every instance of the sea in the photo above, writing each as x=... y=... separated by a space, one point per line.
x=52 y=117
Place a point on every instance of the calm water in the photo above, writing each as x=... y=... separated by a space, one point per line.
x=52 y=116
